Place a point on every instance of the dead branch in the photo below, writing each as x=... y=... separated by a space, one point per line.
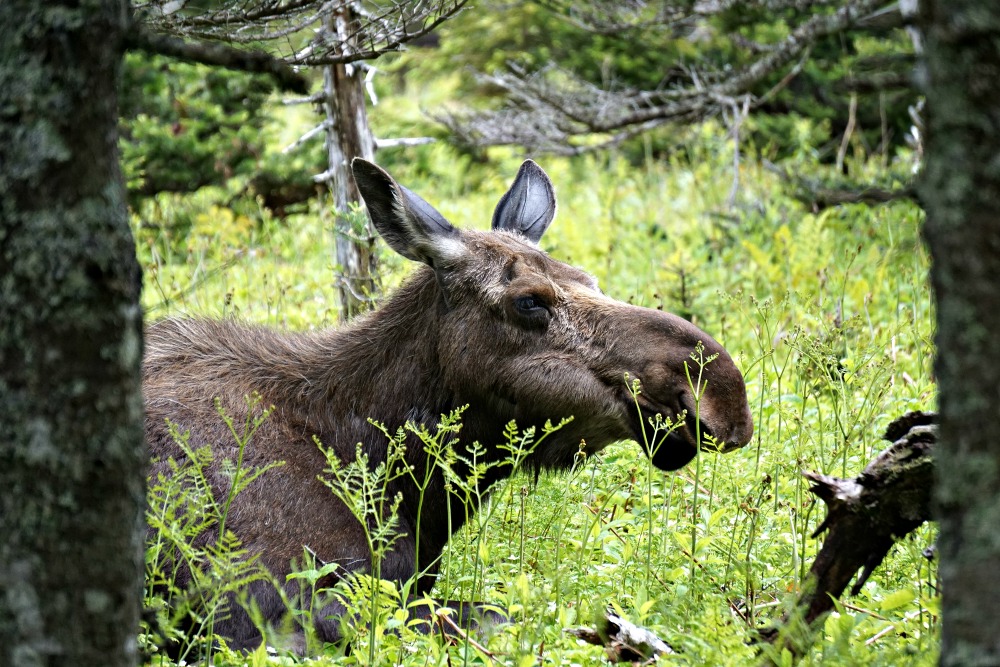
x=865 y=517
x=548 y=109
x=818 y=196
x=219 y=55
x=623 y=641
x=384 y=27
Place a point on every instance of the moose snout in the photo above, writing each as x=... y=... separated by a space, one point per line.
x=742 y=431
x=689 y=371
x=723 y=409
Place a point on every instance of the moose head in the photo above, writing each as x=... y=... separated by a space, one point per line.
x=532 y=338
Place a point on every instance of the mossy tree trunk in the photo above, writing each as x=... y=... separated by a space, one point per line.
x=71 y=452
x=961 y=192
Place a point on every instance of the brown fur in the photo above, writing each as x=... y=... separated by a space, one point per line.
x=452 y=335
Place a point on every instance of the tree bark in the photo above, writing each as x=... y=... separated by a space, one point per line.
x=71 y=453
x=961 y=192
x=348 y=135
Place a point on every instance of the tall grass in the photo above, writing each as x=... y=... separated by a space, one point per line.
x=828 y=313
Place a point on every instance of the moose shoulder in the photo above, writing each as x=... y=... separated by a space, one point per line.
x=489 y=321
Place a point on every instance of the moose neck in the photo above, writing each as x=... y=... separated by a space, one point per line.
x=383 y=366
x=386 y=367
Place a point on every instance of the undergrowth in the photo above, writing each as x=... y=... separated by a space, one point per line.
x=828 y=313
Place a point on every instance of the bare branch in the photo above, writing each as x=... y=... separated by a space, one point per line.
x=386 y=32
x=403 y=141
x=315 y=98
x=386 y=28
x=314 y=132
x=219 y=55
x=548 y=110
x=818 y=195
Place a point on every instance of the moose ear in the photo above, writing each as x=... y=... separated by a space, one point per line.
x=410 y=226
x=529 y=206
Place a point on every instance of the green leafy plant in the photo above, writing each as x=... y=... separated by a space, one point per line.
x=828 y=314
x=189 y=540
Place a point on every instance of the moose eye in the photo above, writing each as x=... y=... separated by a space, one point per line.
x=531 y=311
x=528 y=304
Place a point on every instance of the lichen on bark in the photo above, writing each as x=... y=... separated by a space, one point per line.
x=961 y=191
x=71 y=453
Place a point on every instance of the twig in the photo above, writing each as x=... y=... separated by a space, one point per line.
x=785 y=80
x=315 y=98
x=445 y=619
x=319 y=129
x=403 y=141
x=739 y=115
x=852 y=115
x=879 y=635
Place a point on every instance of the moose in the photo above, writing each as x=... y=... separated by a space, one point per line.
x=489 y=321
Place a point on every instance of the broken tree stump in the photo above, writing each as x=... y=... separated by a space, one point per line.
x=865 y=517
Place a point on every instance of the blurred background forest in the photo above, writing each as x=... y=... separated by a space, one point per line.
x=748 y=166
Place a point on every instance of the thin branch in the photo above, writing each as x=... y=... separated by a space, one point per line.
x=315 y=98
x=818 y=196
x=383 y=28
x=548 y=108
x=739 y=114
x=852 y=116
x=450 y=627
x=403 y=141
x=316 y=131
x=800 y=38
x=385 y=41
x=218 y=55
x=787 y=79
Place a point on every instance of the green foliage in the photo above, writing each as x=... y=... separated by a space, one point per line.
x=186 y=126
x=188 y=536
x=827 y=312
x=655 y=56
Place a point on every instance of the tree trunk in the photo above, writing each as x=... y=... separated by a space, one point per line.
x=348 y=136
x=71 y=452
x=961 y=192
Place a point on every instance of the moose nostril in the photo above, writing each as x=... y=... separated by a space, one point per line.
x=742 y=432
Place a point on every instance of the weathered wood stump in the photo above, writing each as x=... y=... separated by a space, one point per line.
x=865 y=517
